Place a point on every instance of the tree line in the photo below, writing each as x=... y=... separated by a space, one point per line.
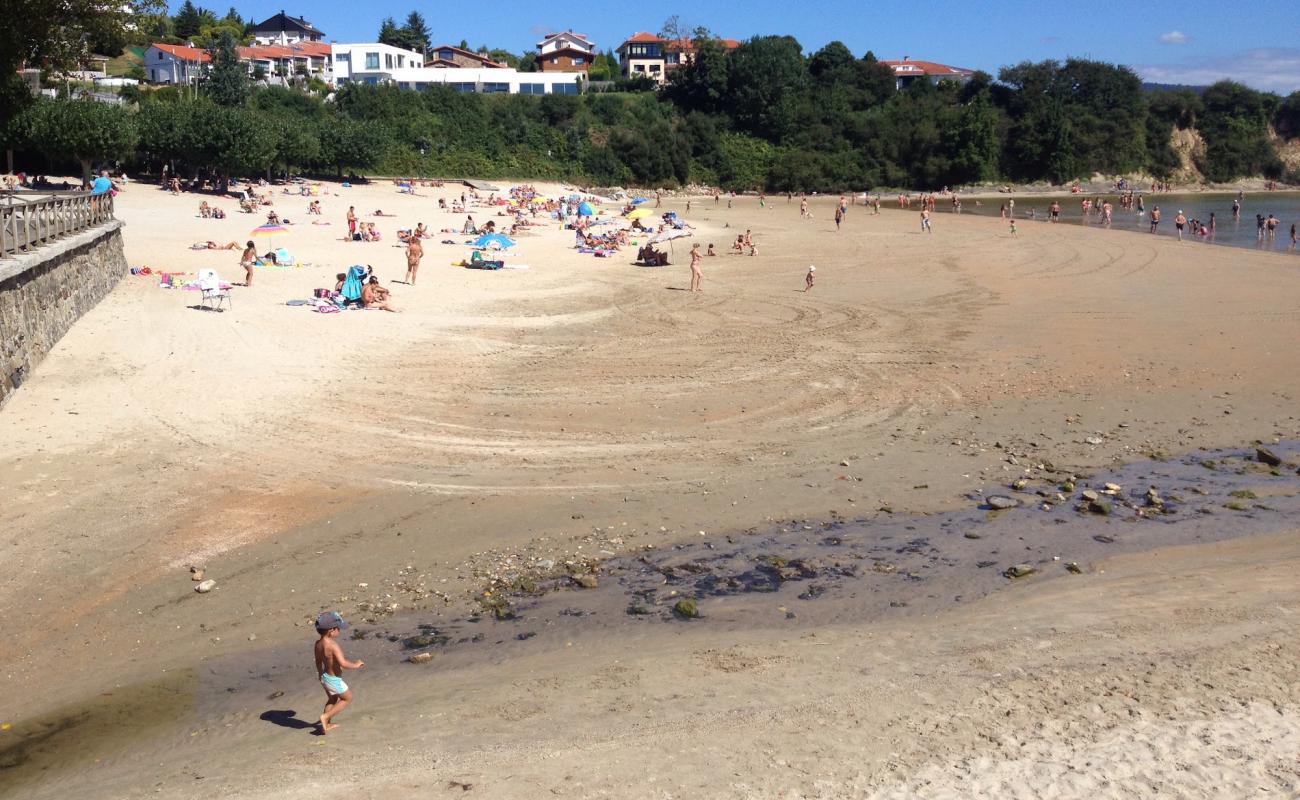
x=761 y=116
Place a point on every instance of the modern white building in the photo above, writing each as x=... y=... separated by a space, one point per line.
x=376 y=64
x=175 y=64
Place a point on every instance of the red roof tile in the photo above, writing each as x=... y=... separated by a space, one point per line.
x=924 y=68
x=184 y=53
x=641 y=36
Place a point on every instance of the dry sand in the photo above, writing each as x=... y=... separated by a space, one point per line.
x=295 y=456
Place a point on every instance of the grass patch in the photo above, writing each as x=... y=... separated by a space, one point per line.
x=1244 y=494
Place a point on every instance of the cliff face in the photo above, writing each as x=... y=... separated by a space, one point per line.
x=1189 y=146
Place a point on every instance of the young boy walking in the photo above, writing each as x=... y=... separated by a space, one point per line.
x=330 y=663
x=810 y=278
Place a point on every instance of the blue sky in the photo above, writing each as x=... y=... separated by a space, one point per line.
x=1190 y=41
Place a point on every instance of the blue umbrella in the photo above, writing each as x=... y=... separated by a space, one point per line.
x=585 y=210
x=494 y=240
x=636 y=201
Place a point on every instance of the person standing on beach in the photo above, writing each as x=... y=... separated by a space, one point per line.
x=352 y=222
x=1180 y=222
x=330 y=663
x=925 y=219
x=803 y=208
x=1155 y=218
x=839 y=217
x=414 y=252
x=696 y=275
x=1055 y=211
x=810 y=278
x=247 y=260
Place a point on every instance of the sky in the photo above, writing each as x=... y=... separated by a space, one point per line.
x=1189 y=41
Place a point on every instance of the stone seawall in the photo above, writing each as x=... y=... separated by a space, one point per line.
x=44 y=292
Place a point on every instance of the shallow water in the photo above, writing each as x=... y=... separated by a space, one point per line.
x=1228 y=231
x=787 y=577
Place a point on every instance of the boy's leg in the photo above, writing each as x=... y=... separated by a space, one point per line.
x=337 y=703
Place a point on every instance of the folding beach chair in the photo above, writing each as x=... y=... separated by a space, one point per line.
x=211 y=294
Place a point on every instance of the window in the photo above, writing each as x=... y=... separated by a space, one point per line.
x=445 y=54
x=420 y=87
x=372 y=81
x=532 y=88
x=555 y=59
x=462 y=87
x=372 y=61
x=673 y=58
x=564 y=88
x=638 y=67
x=403 y=85
x=342 y=57
x=401 y=61
x=654 y=68
x=578 y=61
x=388 y=60
x=496 y=88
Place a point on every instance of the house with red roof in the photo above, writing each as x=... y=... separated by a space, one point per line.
x=565 y=51
x=645 y=54
x=681 y=52
x=175 y=64
x=907 y=72
x=642 y=55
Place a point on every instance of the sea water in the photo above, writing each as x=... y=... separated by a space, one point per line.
x=1238 y=232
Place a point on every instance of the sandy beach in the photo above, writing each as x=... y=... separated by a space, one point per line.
x=392 y=465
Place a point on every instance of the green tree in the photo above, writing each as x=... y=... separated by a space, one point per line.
x=703 y=84
x=83 y=130
x=56 y=35
x=766 y=76
x=1235 y=124
x=227 y=81
x=351 y=144
x=390 y=34
x=188 y=21
x=417 y=32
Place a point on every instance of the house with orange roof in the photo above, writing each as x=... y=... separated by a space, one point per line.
x=565 y=51
x=642 y=55
x=681 y=52
x=175 y=64
x=907 y=72
x=655 y=57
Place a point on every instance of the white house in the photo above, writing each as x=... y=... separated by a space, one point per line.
x=907 y=72
x=376 y=64
x=368 y=63
x=565 y=52
x=284 y=29
x=175 y=64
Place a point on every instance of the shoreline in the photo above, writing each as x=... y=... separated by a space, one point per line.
x=302 y=459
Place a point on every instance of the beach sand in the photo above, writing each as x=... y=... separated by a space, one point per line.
x=302 y=459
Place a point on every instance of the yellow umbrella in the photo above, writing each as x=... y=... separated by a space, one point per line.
x=640 y=213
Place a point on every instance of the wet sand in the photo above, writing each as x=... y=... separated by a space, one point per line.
x=585 y=403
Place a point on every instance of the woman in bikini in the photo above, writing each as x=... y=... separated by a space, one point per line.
x=247 y=260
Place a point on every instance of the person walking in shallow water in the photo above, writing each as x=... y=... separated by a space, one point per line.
x=330 y=663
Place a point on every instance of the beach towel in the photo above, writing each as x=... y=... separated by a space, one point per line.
x=352 y=284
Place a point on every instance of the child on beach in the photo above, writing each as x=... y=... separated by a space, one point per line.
x=810 y=278
x=925 y=220
x=330 y=663
x=1013 y=227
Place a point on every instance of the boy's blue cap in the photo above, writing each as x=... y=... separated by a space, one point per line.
x=330 y=619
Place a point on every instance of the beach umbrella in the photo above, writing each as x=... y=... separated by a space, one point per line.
x=268 y=230
x=641 y=213
x=495 y=240
x=585 y=210
x=669 y=235
x=636 y=201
